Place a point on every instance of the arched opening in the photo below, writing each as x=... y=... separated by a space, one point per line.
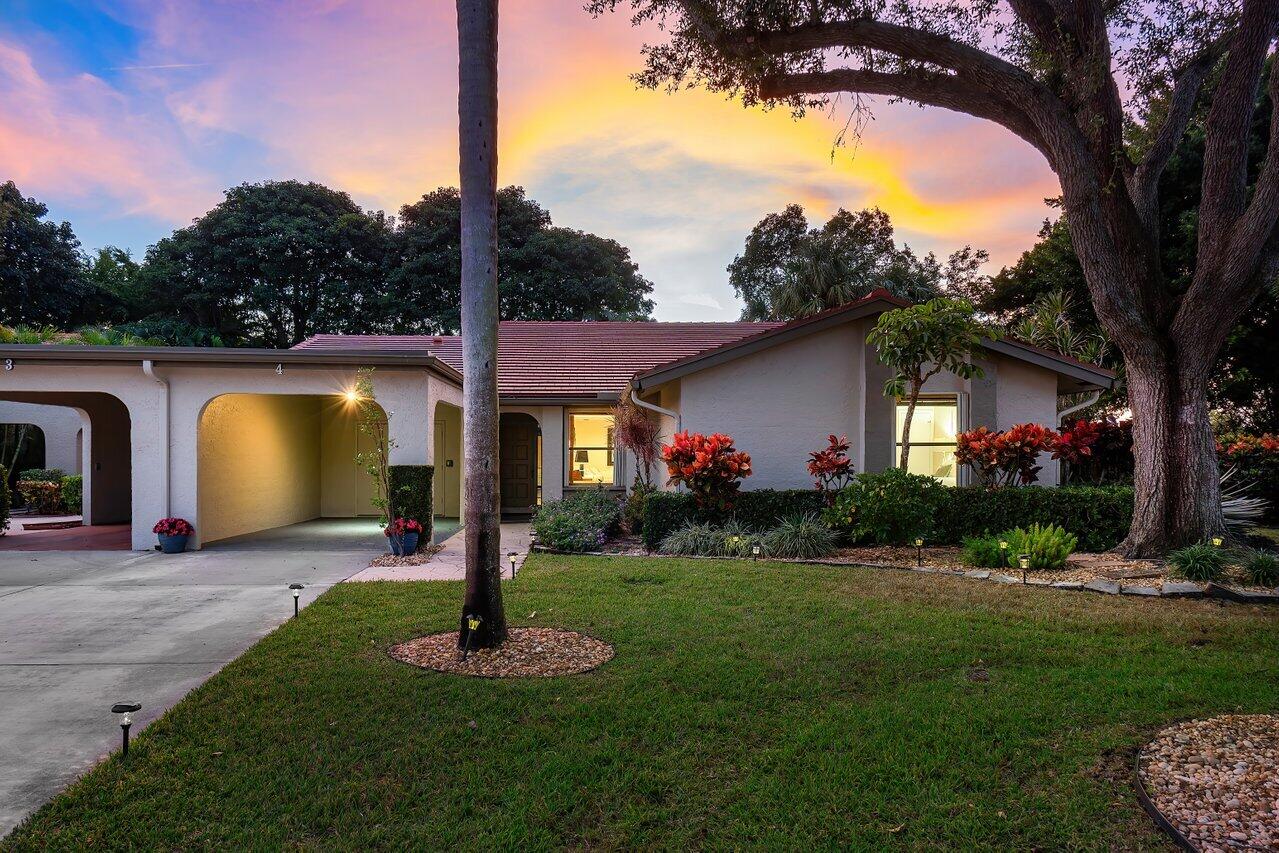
x=448 y=464
x=281 y=471
x=21 y=448
x=86 y=433
x=519 y=459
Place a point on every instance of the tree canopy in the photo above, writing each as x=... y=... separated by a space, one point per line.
x=789 y=270
x=42 y=277
x=544 y=272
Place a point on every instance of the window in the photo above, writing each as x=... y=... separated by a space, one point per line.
x=932 y=438
x=590 y=449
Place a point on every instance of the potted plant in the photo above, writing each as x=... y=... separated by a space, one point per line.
x=173 y=534
x=403 y=535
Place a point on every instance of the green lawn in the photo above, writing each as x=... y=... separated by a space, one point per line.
x=777 y=705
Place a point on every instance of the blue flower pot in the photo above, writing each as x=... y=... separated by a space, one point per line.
x=403 y=546
x=172 y=544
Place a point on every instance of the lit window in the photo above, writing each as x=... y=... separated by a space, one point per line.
x=590 y=449
x=932 y=438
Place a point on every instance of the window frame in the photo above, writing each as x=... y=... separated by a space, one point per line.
x=616 y=457
x=958 y=399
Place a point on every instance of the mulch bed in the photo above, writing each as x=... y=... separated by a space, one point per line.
x=528 y=652
x=421 y=558
x=1217 y=780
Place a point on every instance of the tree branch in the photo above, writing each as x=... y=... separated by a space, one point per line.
x=1225 y=172
x=947 y=91
x=1189 y=80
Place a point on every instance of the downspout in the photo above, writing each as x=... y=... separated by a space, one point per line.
x=148 y=369
x=679 y=422
x=1092 y=398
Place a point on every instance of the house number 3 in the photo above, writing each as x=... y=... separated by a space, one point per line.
x=8 y=364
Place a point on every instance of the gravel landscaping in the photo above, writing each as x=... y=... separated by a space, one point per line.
x=421 y=558
x=1217 y=780
x=528 y=652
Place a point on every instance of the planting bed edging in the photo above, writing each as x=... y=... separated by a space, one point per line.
x=1168 y=589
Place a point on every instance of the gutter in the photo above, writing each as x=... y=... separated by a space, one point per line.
x=148 y=369
x=643 y=404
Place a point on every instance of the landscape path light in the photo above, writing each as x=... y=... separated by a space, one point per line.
x=126 y=710
x=297 y=593
x=1217 y=540
x=1024 y=562
x=755 y=551
x=919 y=551
x=511 y=556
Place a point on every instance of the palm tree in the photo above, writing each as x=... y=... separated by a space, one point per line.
x=483 y=618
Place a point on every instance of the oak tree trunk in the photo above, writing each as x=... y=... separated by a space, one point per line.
x=477 y=114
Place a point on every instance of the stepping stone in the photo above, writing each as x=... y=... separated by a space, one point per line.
x=980 y=574
x=1100 y=585
x=1038 y=582
x=1181 y=588
x=1005 y=579
x=1067 y=585
x=1139 y=590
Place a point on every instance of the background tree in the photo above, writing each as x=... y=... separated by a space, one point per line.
x=477 y=135
x=1047 y=72
x=272 y=264
x=42 y=280
x=547 y=273
x=789 y=270
x=921 y=341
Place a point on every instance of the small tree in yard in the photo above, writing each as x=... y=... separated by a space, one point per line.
x=372 y=421
x=635 y=431
x=921 y=341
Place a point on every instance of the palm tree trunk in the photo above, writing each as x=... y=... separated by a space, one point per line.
x=477 y=130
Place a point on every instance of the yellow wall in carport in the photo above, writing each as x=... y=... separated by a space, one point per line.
x=270 y=460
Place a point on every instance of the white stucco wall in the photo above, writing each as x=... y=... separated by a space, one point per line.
x=781 y=403
x=1028 y=394
x=61 y=426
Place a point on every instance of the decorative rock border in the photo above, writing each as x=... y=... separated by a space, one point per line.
x=1166 y=589
x=1212 y=784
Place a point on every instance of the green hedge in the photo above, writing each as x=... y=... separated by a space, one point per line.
x=411 y=494
x=4 y=500
x=42 y=475
x=1098 y=515
x=73 y=493
x=759 y=510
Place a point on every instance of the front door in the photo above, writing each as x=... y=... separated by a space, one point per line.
x=517 y=471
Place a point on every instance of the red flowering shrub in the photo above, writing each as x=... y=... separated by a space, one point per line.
x=173 y=527
x=400 y=526
x=709 y=465
x=1005 y=457
x=831 y=468
x=1256 y=458
x=1096 y=451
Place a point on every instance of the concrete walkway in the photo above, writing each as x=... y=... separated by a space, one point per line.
x=82 y=630
x=450 y=563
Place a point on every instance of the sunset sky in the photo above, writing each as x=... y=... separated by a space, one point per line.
x=129 y=118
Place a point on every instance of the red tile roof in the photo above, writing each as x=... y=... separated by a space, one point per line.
x=563 y=360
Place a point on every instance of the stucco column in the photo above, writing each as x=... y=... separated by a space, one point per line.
x=406 y=399
x=552 y=423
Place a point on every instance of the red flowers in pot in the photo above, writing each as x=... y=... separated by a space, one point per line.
x=173 y=527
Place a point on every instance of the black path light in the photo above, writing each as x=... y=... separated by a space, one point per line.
x=472 y=625
x=1024 y=562
x=919 y=551
x=511 y=556
x=126 y=710
x=297 y=593
x=755 y=549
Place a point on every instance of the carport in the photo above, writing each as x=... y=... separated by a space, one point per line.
x=237 y=441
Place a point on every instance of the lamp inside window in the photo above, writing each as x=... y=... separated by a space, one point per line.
x=590 y=449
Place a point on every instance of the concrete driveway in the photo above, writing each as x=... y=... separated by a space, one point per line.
x=82 y=630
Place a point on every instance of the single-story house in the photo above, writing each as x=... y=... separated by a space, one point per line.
x=241 y=440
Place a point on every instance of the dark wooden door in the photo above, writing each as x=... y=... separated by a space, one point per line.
x=517 y=471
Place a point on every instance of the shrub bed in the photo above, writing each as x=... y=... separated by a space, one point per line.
x=4 y=500
x=411 y=494
x=73 y=493
x=579 y=522
x=41 y=496
x=760 y=510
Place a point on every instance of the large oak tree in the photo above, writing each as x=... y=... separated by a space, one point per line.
x=1066 y=76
